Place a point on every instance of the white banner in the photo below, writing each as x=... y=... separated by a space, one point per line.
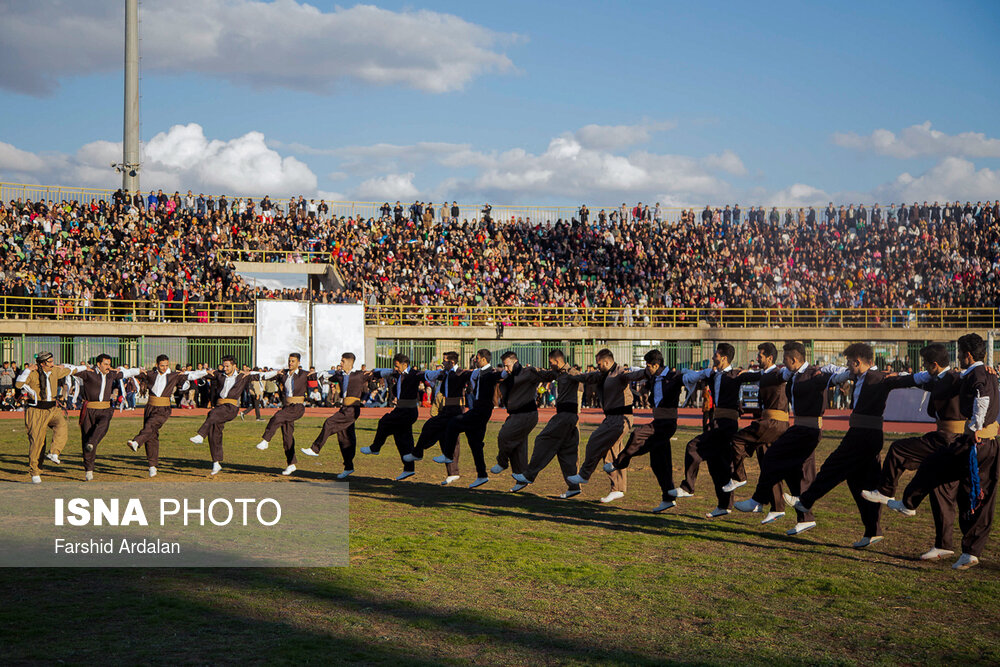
x=338 y=328
x=907 y=405
x=282 y=328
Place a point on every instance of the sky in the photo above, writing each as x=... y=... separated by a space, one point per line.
x=516 y=102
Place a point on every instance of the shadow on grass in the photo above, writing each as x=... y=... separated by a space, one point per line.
x=529 y=507
x=262 y=616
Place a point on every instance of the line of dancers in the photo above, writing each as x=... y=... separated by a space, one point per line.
x=956 y=464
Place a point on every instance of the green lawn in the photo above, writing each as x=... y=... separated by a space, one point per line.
x=449 y=575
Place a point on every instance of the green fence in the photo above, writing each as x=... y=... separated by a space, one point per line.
x=893 y=356
x=428 y=353
x=126 y=350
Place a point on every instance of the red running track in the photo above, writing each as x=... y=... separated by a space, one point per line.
x=834 y=420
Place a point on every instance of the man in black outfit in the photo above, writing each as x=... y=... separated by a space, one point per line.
x=971 y=459
x=482 y=383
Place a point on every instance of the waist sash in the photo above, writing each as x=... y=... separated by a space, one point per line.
x=866 y=421
x=809 y=422
x=775 y=415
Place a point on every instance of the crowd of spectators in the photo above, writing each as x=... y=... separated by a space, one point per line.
x=172 y=253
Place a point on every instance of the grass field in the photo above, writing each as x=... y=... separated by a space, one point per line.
x=449 y=575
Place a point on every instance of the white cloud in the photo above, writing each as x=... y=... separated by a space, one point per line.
x=800 y=194
x=567 y=170
x=387 y=188
x=281 y=44
x=726 y=161
x=612 y=137
x=920 y=140
x=178 y=159
x=13 y=159
x=952 y=178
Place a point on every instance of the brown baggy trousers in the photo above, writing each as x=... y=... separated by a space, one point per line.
x=285 y=419
x=605 y=444
x=37 y=421
x=93 y=427
x=153 y=418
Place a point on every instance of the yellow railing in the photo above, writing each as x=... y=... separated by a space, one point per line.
x=276 y=256
x=549 y=316
x=204 y=312
x=121 y=310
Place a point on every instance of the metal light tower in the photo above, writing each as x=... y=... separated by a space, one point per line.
x=129 y=166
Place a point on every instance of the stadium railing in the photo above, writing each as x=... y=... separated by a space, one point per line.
x=206 y=312
x=568 y=316
x=276 y=256
x=122 y=310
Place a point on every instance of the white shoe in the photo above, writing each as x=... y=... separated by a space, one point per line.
x=965 y=561
x=497 y=469
x=772 y=517
x=613 y=496
x=152 y=471
x=36 y=479
x=749 y=505
x=89 y=476
x=801 y=527
x=609 y=468
x=679 y=493
x=576 y=479
x=133 y=445
x=867 y=542
x=289 y=470
x=54 y=458
x=449 y=479
x=520 y=478
x=732 y=485
x=517 y=487
x=875 y=497
x=345 y=474
x=410 y=458
x=570 y=493
x=665 y=505
x=717 y=512
x=790 y=499
x=403 y=475
x=308 y=451
x=936 y=554
x=479 y=481
x=216 y=468
x=369 y=450
x=197 y=439
x=799 y=507
x=900 y=507
x=441 y=458
x=262 y=445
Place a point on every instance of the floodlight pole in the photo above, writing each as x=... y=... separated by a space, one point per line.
x=129 y=167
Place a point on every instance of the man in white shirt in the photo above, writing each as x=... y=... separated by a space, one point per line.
x=227 y=388
x=40 y=384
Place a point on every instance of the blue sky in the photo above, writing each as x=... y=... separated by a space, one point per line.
x=689 y=102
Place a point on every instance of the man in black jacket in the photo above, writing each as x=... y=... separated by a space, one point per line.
x=482 y=384
x=857 y=460
x=972 y=459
